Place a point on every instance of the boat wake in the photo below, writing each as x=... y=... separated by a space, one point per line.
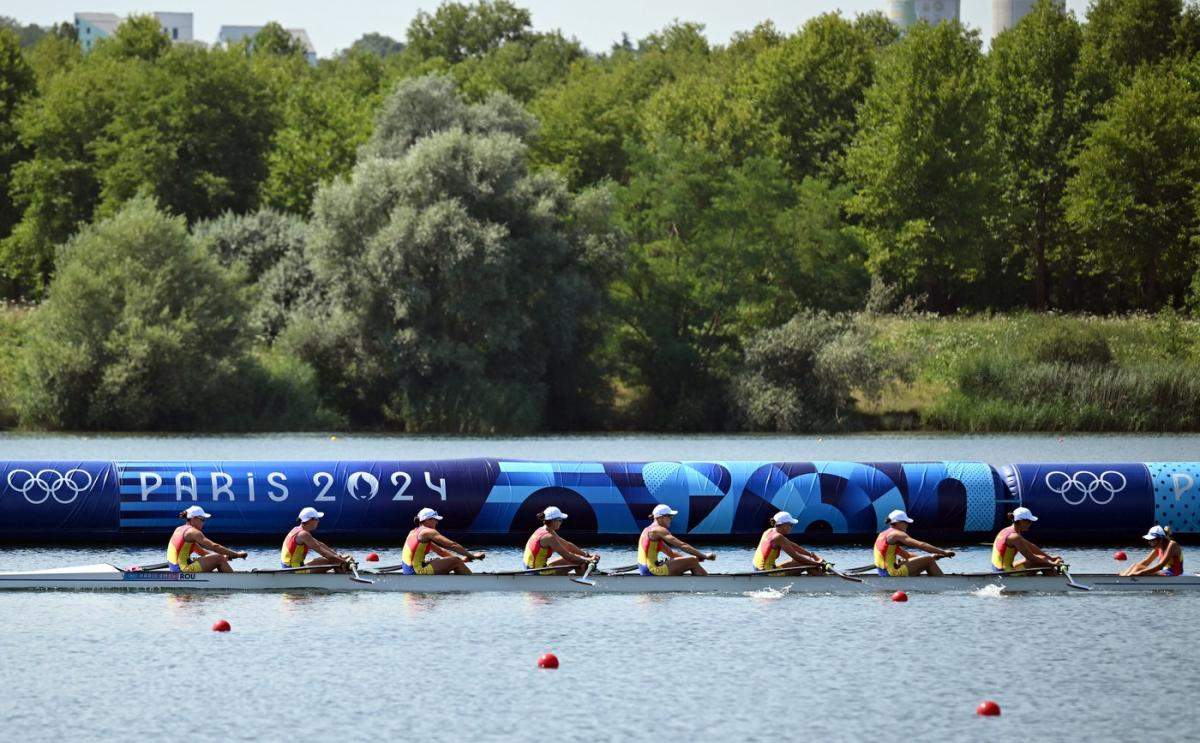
x=992 y=591
x=770 y=593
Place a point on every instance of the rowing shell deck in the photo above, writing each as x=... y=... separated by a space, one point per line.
x=109 y=577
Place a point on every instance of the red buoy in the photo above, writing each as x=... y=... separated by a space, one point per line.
x=373 y=557
x=221 y=626
x=549 y=660
x=1120 y=555
x=899 y=596
x=987 y=708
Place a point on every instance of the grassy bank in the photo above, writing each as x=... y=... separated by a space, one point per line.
x=1031 y=372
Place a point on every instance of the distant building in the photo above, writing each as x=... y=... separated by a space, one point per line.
x=905 y=13
x=91 y=27
x=234 y=34
x=1008 y=13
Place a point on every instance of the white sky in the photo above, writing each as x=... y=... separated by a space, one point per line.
x=597 y=23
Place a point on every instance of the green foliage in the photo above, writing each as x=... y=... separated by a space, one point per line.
x=1132 y=200
x=995 y=394
x=140 y=331
x=139 y=37
x=800 y=376
x=922 y=164
x=457 y=280
x=1082 y=345
x=380 y=45
x=1036 y=126
x=274 y=39
x=810 y=86
x=268 y=249
x=522 y=69
x=1122 y=35
x=456 y=31
x=16 y=84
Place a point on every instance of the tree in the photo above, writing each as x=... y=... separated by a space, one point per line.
x=276 y=40
x=1122 y=35
x=1132 y=200
x=921 y=163
x=810 y=87
x=378 y=44
x=16 y=84
x=1037 y=128
x=456 y=31
x=138 y=37
x=458 y=281
x=140 y=330
x=192 y=129
x=268 y=249
x=522 y=68
x=587 y=120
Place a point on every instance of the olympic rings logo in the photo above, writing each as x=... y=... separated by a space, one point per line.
x=1086 y=483
x=49 y=484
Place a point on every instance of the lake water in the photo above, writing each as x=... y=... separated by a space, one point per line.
x=377 y=667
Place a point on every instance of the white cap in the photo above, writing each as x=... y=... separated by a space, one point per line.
x=898 y=515
x=783 y=517
x=1023 y=514
x=308 y=513
x=662 y=509
x=553 y=514
x=1156 y=532
x=428 y=513
x=196 y=511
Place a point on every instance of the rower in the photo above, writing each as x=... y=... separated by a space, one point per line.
x=1166 y=559
x=300 y=540
x=892 y=559
x=425 y=538
x=1011 y=541
x=189 y=551
x=656 y=537
x=546 y=540
x=775 y=540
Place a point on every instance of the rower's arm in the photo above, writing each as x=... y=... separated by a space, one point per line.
x=924 y=546
x=1030 y=550
x=316 y=545
x=796 y=551
x=675 y=541
x=567 y=549
x=209 y=544
x=1154 y=568
x=450 y=544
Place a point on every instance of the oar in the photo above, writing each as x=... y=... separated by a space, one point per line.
x=140 y=568
x=354 y=576
x=533 y=570
x=1065 y=570
x=829 y=569
x=861 y=569
x=583 y=579
x=618 y=571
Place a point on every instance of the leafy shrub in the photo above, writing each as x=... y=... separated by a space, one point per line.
x=801 y=376
x=1070 y=343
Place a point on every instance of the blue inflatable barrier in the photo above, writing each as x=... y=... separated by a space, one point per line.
x=496 y=500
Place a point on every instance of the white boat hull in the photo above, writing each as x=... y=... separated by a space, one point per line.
x=108 y=577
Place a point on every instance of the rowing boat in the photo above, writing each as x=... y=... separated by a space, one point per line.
x=110 y=577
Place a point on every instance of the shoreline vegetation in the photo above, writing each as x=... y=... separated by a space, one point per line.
x=483 y=228
x=1025 y=372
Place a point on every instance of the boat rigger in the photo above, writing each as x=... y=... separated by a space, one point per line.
x=104 y=577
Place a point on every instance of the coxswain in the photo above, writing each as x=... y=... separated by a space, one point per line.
x=189 y=551
x=1166 y=559
x=424 y=538
x=546 y=540
x=775 y=541
x=1011 y=541
x=657 y=538
x=300 y=540
x=892 y=559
